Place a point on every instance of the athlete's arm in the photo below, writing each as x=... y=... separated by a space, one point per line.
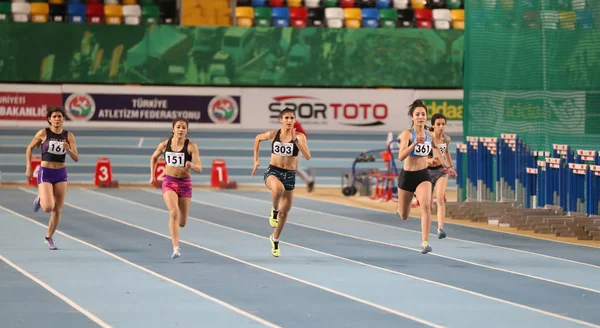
x=159 y=150
x=196 y=164
x=257 y=140
x=35 y=142
x=303 y=145
x=405 y=149
x=71 y=147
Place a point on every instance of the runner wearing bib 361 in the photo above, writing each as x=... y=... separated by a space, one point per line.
x=180 y=155
x=280 y=175
x=414 y=179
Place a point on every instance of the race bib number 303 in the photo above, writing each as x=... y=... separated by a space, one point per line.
x=175 y=159
x=283 y=148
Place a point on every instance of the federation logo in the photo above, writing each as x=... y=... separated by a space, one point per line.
x=80 y=107
x=223 y=110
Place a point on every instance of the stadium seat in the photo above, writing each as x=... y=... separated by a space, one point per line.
x=507 y=4
x=437 y=4
x=39 y=12
x=418 y=4
x=276 y=3
x=352 y=17
x=455 y=4
x=130 y=2
x=406 y=18
x=132 y=14
x=244 y=16
x=366 y=3
x=331 y=3
x=76 y=13
x=245 y=3
x=299 y=16
x=567 y=20
x=401 y=4
x=383 y=3
x=549 y=19
x=370 y=17
x=20 y=12
x=457 y=16
x=150 y=14
x=281 y=16
x=312 y=3
x=578 y=5
x=424 y=18
x=95 y=13
x=113 y=14
x=58 y=13
x=347 y=3
x=262 y=16
x=316 y=17
x=294 y=3
x=334 y=17
x=388 y=17
x=441 y=19
x=259 y=3
x=111 y=2
x=585 y=20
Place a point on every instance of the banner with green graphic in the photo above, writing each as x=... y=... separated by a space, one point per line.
x=231 y=56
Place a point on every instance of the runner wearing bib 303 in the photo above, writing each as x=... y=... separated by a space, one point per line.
x=280 y=175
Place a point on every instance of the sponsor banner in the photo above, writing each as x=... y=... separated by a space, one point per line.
x=447 y=102
x=27 y=103
x=358 y=110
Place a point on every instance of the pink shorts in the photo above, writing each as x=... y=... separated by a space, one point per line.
x=181 y=186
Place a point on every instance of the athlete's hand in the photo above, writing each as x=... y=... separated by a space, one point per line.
x=66 y=145
x=152 y=181
x=256 y=165
x=452 y=173
x=421 y=139
x=28 y=172
x=293 y=134
x=188 y=165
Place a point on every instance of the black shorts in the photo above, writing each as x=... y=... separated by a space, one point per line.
x=410 y=180
x=287 y=177
x=436 y=173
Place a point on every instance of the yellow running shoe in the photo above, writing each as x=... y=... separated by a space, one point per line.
x=274 y=247
x=273 y=219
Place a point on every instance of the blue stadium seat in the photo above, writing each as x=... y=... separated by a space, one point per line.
x=259 y=3
x=281 y=16
x=370 y=17
x=585 y=20
x=383 y=3
x=77 y=13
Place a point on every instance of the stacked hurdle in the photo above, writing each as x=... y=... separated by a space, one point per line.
x=503 y=182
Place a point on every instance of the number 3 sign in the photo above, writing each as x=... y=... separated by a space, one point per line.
x=103 y=174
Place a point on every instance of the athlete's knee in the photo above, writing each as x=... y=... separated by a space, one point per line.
x=182 y=221
x=47 y=206
x=441 y=199
x=174 y=215
x=278 y=191
x=426 y=207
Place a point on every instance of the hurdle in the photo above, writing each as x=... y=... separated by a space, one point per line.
x=504 y=182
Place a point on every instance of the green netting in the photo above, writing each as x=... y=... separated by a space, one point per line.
x=532 y=67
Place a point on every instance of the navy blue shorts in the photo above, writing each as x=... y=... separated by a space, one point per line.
x=287 y=177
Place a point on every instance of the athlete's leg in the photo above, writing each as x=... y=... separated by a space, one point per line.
x=423 y=194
